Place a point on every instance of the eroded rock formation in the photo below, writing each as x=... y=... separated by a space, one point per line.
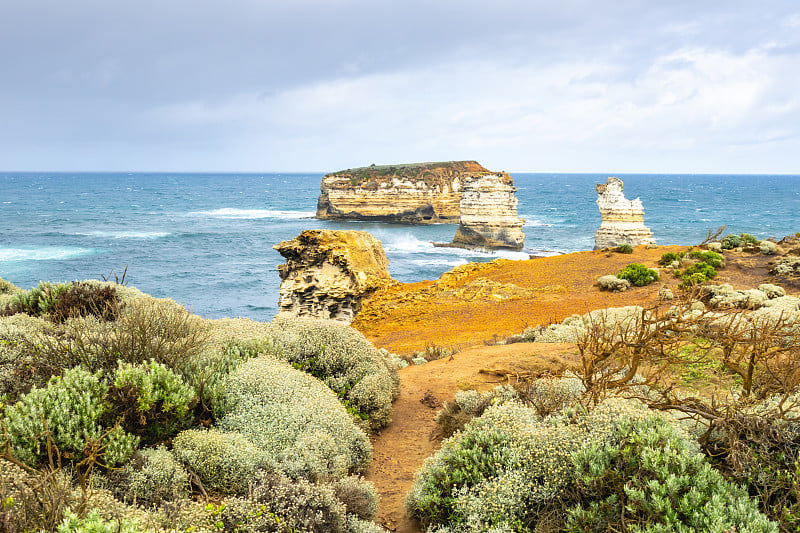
x=327 y=273
x=421 y=193
x=489 y=213
x=623 y=220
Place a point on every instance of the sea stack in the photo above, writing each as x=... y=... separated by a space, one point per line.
x=623 y=220
x=489 y=214
x=327 y=273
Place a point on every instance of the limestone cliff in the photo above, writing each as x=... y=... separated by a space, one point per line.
x=421 y=193
x=623 y=220
x=327 y=273
x=489 y=213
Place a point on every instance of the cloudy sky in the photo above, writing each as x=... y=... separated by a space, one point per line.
x=318 y=85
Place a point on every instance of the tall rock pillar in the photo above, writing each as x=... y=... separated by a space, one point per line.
x=623 y=220
x=489 y=213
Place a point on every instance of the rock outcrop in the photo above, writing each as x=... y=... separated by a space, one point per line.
x=421 y=193
x=327 y=273
x=623 y=220
x=489 y=213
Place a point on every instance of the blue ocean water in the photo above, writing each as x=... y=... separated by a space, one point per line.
x=206 y=240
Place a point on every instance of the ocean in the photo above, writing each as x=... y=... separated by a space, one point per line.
x=206 y=240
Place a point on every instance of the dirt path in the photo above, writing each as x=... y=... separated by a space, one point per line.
x=405 y=443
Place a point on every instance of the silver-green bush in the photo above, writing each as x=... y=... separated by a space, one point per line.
x=154 y=475
x=70 y=410
x=344 y=359
x=648 y=477
x=277 y=503
x=225 y=462
x=294 y=419
x=506 y=462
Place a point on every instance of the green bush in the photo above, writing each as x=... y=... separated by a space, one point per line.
x=507 y=464
x=364 y=379
x=647 y=477
x=71 y=410
x=697 y=274
x=638 y=274
x=294 y=419
x=731 y=241
x=153 y=402
x=92 y=523
x=711 y=258
x=224 y=462
x=38 y=300
x=358 y=496
x=7 y=287
x=624 y=249
x=146 y=329
x=277 y=503
x=152 y=476
x=670 y=257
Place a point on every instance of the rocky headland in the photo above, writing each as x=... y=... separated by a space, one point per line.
x=327 y=273
x=623 y=219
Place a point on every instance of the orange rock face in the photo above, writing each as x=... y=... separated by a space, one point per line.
x=327 y=273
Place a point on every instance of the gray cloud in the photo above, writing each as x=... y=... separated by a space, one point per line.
x=315 y=85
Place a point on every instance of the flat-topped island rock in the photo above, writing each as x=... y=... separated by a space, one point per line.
x=416 y=193
x=482 y=202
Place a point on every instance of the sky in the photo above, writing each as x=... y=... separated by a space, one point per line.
x=621 y=86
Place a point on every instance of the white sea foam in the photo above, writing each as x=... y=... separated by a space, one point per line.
x=252 y=214
x=439 y=262
x=406 y=243
x=45 y=253
x=536 y=223
x=127 y=234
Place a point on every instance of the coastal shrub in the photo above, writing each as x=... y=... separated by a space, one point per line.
x=294 y=419
x=647 y=477
x=33 y=501
x=748 y=239
x=38 y=300
x=93 y=523
x=207 y=373
x=6 y=287
x=280 y=504
x=363 y=378
x=624 y=249
x=153 y=475
x=84 y=298
x=146 y=329
x=68 y=413
x=358 y=496
x=152 y=401
x=731 y=241
x=21 y=367
x=613 y=283
x=711 y=258
x=670 y=257
x=638 y=274
x=509 y=464
x=696 y=274
x=224 y=462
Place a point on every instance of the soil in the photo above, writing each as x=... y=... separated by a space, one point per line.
x=470 y=309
